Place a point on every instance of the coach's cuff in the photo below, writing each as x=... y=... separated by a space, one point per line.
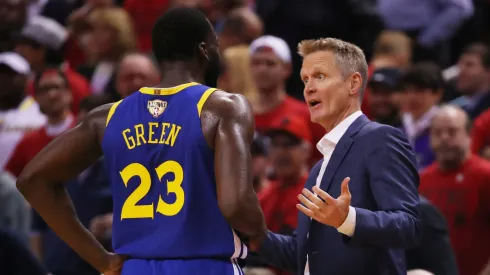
x=349 y=225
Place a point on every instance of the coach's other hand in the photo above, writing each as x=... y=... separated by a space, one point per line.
x=325 y=209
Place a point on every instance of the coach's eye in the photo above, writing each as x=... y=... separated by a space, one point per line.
x=305 y=80
x=320 y=76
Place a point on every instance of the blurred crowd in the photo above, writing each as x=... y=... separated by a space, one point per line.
x=429 y=71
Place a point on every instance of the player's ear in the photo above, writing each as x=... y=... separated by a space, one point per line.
x=203 y=50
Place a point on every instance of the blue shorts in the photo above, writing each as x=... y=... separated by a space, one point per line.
x=181 y=267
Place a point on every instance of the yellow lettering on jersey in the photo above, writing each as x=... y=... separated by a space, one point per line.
x=128 y=139
x=151 y=132
x=165 y=125
x=143 y=134
x=140 y=134
x=173 y=135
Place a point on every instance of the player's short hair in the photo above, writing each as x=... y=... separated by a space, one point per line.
x=349 y=57
x=177 y=34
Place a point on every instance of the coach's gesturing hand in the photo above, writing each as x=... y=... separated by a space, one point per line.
x=323 y=208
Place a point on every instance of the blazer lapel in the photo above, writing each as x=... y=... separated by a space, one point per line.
x=340 y=151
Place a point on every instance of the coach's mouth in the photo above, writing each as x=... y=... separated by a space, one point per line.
x=312 y=103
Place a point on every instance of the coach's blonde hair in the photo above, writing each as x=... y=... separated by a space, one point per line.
x=349 y=57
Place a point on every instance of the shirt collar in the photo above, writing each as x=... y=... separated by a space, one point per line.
x=327 y=142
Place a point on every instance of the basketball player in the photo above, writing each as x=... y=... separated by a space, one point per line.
x=179 y=163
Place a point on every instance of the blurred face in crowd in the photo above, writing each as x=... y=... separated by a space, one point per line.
x=135 y=71
x=418 y=101
x=33 y=53
x=383 y=102
x=450 y=137
x=12 y=14
x=53 y=94
x=228 y=39
x=13 y=85
x=287 y=154
x=472 y=76
x=102 y=38
x=268 y=71
x=327 y=92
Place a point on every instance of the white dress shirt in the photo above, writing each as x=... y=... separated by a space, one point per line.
x=326 y=146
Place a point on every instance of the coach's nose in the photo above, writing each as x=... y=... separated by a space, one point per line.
x=309 y=89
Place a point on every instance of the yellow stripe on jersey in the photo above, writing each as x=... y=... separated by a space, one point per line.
x=203 y=99
x=111 y=112
x=166 y=91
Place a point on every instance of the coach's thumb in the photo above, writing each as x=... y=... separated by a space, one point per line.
x=344 y=188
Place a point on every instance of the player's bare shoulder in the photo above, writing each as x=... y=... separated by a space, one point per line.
x=96 y=120
x=225 y=107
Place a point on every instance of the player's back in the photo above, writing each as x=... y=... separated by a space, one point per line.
x=162 y=174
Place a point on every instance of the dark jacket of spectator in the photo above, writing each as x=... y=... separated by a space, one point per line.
x=434 y=253
x=15 y=257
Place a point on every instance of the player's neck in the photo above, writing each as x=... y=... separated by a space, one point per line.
x=178 y=73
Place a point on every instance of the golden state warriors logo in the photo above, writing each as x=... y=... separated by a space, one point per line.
x=156 y=107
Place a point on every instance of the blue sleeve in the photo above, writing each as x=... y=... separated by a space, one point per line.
x=279 y=251
x=394 y=182
x=452 y=15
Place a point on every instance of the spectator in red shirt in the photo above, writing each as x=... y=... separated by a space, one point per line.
x=480 y=135
x=270 y=64
x=42 y=43
x=290 y=143
x=458 y=184
x=54 y=97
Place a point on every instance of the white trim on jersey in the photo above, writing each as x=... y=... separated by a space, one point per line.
x=241 y=249
x=237 y=270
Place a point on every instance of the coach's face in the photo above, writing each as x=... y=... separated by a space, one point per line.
x=326 y=89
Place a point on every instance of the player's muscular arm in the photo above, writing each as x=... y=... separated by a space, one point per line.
x=41 y=183
x=233 y=134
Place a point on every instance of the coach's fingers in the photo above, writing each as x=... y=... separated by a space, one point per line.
x=324 y=195
x=312 y=197
x=305 y=210
x=307 y=203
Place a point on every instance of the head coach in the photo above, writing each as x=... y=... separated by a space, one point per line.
x=358 y=209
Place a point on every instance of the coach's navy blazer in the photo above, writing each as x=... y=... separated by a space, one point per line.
x=384 y=183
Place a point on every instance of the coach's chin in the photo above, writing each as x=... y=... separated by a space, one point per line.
x=358 y=211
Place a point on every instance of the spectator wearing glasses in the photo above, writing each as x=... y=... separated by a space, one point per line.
x=42 y=43
x=54 y=96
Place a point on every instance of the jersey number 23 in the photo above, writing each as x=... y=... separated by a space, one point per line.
x=131 y=210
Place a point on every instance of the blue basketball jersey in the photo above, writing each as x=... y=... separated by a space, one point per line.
x=162 y=175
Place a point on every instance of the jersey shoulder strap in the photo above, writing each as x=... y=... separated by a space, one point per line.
x=204 y=98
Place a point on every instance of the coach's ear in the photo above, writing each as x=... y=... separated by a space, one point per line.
x=203 y=50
